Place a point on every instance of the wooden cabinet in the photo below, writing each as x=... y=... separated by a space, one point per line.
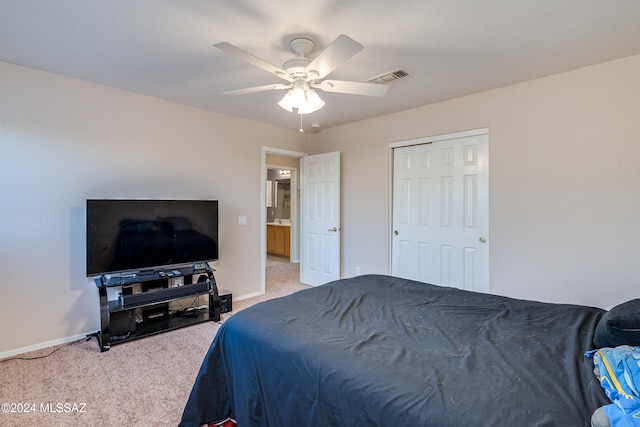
x=278 y=239
x=271 y=238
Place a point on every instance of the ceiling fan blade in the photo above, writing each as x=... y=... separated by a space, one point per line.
x=257 y=89
x=353 y=88
x=339 y=51
x=253 y=60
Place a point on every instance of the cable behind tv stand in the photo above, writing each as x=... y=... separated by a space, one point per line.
x=143 y=304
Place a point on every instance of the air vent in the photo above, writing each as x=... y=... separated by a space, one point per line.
x=390 y=76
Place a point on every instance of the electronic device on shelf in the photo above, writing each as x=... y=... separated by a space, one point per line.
x=141 y=236
x=155 y=247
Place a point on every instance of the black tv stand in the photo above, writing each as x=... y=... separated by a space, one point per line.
x=145 y=273
x=139 y=314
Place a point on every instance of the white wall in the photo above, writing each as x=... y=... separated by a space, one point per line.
x=564 y=182
x=63 y=141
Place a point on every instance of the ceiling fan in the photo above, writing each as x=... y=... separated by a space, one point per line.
x=303 y=75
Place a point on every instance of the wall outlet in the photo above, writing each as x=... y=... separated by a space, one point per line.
x=357 y=270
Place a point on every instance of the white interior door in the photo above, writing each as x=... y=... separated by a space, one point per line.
x=441 y=212
x=320 y=211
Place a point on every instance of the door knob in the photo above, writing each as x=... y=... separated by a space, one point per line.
x=395 y=232
x=482 y=239
x=333 y=230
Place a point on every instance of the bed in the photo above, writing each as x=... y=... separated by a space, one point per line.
x=376 y=350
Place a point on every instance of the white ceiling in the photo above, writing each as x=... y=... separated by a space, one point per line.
x=163 y=48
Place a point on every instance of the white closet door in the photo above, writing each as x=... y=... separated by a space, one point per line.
x=441 y=212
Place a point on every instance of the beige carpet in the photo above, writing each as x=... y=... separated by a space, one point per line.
x=141 y=383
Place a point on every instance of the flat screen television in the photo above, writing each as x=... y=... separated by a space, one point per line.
x=146 y=235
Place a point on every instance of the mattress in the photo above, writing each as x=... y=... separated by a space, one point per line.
x=377 y=350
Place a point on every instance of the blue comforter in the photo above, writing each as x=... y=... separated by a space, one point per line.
x=381 y=351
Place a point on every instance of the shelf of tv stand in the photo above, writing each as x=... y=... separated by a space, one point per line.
x=146 y=329
x=141 y=277
x=155 y=297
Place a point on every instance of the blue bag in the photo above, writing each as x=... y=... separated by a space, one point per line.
x=618 y=370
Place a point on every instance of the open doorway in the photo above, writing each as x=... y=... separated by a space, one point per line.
x=280 y=213
x=281 y=197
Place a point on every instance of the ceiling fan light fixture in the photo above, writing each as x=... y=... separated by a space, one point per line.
x=304 y=75
x=313 y=102
x=287 y=101
x=304 y=99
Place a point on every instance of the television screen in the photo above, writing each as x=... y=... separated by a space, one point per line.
x=137 y=235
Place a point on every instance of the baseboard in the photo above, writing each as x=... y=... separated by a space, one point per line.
x=40 y=346
x=255 y=294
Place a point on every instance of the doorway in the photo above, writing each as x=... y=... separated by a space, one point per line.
x=280 y=207
x=281 y=203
